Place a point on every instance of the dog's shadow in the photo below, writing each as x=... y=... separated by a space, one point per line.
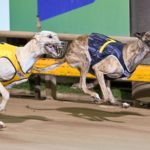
x=19 y=119
x=91 y=114
x=95 y=114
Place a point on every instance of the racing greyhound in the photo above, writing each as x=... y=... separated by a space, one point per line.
x=16 y=63
x=104 y=56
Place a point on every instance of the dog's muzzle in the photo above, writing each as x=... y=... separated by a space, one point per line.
x=56 y=50
x=50 y=49
x=61 y=50
x=53 y=50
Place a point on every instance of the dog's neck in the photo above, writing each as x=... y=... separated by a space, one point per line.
x=28 y=54
x=133 y=54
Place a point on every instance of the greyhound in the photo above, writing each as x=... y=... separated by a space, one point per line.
x=104 y=56
x=16 y=64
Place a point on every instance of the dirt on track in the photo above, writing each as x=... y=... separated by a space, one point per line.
x=63 y=125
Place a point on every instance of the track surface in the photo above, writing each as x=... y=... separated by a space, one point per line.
x=63 y=125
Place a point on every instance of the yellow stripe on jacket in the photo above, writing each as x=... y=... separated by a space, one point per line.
x=105 y=44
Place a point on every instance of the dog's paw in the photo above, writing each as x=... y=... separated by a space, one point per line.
x=2 y=107
x=125 y=105
x=2 y=125
x=96 y=97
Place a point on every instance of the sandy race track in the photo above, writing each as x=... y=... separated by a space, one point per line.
x=63 y=125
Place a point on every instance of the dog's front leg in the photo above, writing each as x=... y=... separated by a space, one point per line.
x=84 y=71
x=5 y=97
x=101 y=81
x=111 y=97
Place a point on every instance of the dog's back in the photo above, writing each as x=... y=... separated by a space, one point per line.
x=78 y=43
x=78 y=50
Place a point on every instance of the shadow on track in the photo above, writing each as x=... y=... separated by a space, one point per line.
x=19 y=119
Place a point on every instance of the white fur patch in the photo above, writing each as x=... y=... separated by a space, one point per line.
x=2 y=125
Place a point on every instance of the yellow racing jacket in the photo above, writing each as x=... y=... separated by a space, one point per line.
x=9 y=51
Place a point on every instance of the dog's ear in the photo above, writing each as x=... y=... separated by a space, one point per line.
x=36 y=36
x=139 y=35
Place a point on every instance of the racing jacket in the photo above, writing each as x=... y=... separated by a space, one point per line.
x=9 y=52
x=101 y=46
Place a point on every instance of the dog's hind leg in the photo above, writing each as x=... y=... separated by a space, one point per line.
x=113 y=101
x=5 y=97
x=108 y=66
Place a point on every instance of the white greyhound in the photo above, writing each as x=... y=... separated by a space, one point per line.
x=16 y=64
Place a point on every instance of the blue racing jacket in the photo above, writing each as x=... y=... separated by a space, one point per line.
x=101 y=46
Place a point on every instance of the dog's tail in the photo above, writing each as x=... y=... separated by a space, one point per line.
x=51 y=67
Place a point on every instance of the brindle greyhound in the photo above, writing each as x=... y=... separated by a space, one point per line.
x=16 y=65
x=86 y=54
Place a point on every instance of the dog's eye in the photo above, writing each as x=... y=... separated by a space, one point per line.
x=50 y=36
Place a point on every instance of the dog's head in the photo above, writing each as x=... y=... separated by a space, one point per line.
x=145 y=37
x=48 y=43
